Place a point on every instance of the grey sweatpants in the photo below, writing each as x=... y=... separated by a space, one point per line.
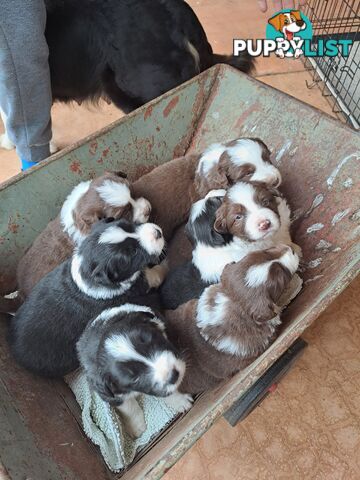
x=25 y=90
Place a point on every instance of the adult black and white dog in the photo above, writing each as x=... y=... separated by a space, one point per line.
x=128 y=51
x=105 y=271
x=186 y=281
x=124 y=351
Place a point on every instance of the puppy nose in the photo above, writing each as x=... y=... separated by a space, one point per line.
x=264 y=225
x=174 y=376
x=158 y=233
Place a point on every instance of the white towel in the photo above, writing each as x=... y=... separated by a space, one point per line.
x=103 y=426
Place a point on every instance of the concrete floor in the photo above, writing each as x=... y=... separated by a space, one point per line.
x=309 y=428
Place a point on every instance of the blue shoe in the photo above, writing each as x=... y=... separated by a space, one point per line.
x=25 y=164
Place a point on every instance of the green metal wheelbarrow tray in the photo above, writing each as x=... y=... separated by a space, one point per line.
x=40 y=431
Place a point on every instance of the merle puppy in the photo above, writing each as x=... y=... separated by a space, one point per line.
x=128 y=51
x=105 y=271
x=186 y=282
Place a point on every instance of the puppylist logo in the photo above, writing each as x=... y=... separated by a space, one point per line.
x=289 y=34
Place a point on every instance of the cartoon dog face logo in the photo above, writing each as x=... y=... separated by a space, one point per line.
x=288 y=24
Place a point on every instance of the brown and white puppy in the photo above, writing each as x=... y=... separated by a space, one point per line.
x=106 y=196
x=255 y=217
x=234 y=321
x=173 y=187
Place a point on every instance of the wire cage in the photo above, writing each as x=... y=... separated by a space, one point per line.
x=338 y=77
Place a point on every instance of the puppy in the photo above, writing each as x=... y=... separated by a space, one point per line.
x=173 y=187
x=234 y=321
x=106 y=270
x=125 y=352
x=256 y=216
x=106 y=196
x=185 y=282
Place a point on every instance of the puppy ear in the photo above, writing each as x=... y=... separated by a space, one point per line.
x=278 y=279
x=233 y=173
x=220 y=225
x=214 y=180
x=85 y=220
x=277 y=21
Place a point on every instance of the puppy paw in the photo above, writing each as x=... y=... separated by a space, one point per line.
x=53 y=147
x=5 y=142
x=180 y=402
x=156 y=275
x=136 y=427
x=133 y=420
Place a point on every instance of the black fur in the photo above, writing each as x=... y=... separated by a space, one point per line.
x=44 y=331
x=113 y=379
x=130 y=51
x=184 y=282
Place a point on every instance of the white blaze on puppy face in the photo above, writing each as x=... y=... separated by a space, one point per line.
x=210 y=157
x=250 y=151
x=151 y=238
x=114 y=193
x=244 y=194
x=115 y=235
x=163 y=366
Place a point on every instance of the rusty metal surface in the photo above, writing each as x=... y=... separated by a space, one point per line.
x=319 y=160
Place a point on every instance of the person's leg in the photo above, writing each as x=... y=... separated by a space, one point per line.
x=25 y=90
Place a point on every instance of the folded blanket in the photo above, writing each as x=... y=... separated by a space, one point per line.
x=103 y=426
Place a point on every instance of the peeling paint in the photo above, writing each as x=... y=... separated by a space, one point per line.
x=339 y=216
x=355 y=216
x=148 y=112
x=316 y=202
x=336 y=171
x=314 y=263
x=253 y=128
x=310 y=280
x=337 y=249
x=323 y=245
x=215 y=115
x=281 y=152
x=315 y=227
x=348 y=183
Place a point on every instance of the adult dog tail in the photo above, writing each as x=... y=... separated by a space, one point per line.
x=244 y=62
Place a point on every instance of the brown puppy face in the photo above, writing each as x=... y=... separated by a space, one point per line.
x=224 y=164
x=249 y=211
x=104 y=197
x=107 y=196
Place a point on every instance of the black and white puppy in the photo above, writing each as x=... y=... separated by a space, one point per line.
x=186 y=282
x=105 y=271
x=124 y=352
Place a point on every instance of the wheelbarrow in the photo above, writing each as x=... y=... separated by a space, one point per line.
x=41 y=435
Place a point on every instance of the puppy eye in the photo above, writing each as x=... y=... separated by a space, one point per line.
x=239 y=216
x=265 y=203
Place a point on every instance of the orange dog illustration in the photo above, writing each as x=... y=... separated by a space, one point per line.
x=288 y=24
